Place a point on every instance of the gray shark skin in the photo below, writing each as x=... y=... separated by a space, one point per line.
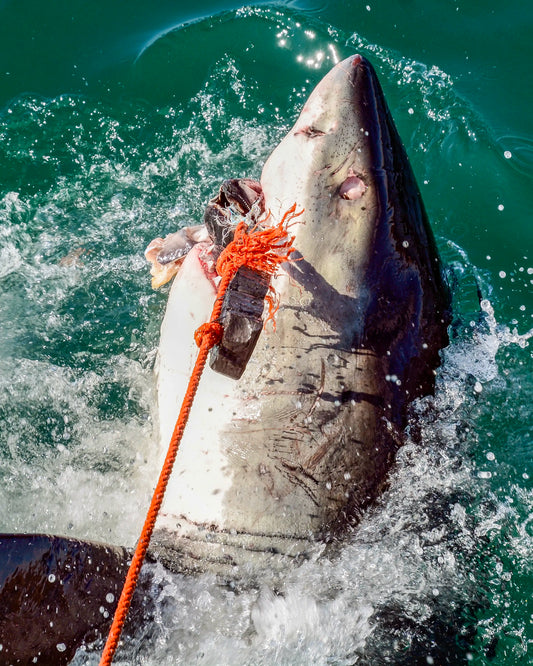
x=57 y=593
x=310 y=431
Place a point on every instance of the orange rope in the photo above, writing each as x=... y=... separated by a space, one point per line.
x=259 y=250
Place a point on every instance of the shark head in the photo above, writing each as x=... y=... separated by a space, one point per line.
x=292 y=453
x=368 y=253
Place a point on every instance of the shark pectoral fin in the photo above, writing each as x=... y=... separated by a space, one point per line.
x=55 y=594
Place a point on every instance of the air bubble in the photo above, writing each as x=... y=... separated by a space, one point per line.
x=484 y=475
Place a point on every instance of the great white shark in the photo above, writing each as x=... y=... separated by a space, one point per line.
x=286 y=459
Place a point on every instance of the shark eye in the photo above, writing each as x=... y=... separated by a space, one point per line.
x=311 y=132
x=352 y=188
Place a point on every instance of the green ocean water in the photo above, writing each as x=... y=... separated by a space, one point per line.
x=117 y=123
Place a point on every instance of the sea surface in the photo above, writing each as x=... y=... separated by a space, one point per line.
x=118 y=121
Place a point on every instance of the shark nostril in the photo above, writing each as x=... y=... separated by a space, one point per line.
x=352 y=188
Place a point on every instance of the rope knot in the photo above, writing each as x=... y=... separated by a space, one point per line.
x=258 y=249
x=209 y=333
x=261 y=250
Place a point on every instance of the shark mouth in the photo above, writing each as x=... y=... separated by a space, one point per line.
x=237 y=199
